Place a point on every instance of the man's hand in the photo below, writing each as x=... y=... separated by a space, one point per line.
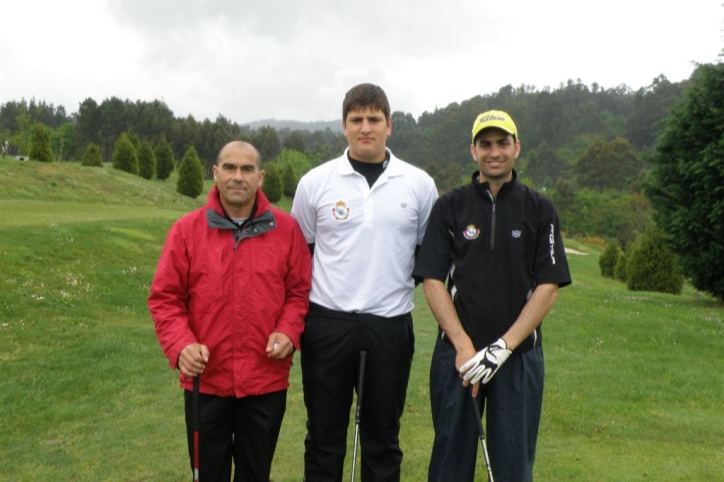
x=485 y=363
x=193 y=359
x=279 y=346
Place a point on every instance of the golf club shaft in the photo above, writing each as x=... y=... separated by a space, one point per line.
x=481 y=435
x=360 y=385
x=354 y=457
x=195 y=402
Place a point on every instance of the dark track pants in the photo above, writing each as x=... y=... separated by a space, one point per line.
x=512 y=402
x=243 y=429
x=331 y=344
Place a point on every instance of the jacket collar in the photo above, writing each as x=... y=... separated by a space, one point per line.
x=262 y=221
x=485 y=185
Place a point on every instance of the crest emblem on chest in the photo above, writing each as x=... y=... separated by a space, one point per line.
x=340 y=211
x=471 y=232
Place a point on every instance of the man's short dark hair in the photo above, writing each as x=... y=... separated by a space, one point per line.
x=365 y=96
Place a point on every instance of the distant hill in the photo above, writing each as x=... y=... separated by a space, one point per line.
x=334 y=125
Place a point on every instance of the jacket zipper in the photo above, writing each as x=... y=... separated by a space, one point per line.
x=492 y=224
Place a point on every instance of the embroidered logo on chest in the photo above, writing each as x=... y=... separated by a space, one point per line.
x=340 y=211
x=471 y=232
x=516 y=233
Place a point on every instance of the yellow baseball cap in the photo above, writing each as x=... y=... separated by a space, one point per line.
x=495 y=118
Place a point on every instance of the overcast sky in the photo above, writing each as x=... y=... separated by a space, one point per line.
x=294 y=60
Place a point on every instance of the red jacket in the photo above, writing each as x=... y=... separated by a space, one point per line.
x=229 y=290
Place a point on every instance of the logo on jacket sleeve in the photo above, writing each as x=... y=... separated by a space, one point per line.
x=552 y=241
x=340 y=211
x=471 y=232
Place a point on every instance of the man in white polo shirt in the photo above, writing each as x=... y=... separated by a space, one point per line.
x=364 y=215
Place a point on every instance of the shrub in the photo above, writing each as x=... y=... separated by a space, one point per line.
x=40 y=144
x=92 y=156
x=190 y=175
x=124 y=156
x=272 y=185
x=289 y=181
x=164 y=159
x=593 y=240
x=652 y=266
x=619 y=272
x=299 y=162
x=133 y=137
x=146 y=160
x=608 y=259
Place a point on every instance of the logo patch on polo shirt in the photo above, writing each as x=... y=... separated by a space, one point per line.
x=516 y=233
x=471 y=232
x=340 y=211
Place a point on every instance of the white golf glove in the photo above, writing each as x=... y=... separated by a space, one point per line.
x=485 y=363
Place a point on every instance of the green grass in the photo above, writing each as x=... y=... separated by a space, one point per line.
x=71 y=182
x=634 y=389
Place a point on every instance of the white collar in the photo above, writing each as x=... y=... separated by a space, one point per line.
x=394 y=168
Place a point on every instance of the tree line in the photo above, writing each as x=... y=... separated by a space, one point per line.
x=567 y=119
x=595 y=151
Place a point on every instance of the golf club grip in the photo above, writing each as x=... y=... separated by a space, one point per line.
x=195 y=403
x=479 y=419
x=195 y=408
x=360 y=382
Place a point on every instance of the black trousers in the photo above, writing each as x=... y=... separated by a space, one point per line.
x=243 y=429
x=511 y=403
x=331 y=344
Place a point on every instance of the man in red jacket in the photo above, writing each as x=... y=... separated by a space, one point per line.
x=228 y=301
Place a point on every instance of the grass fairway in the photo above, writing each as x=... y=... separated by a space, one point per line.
x=634 y=387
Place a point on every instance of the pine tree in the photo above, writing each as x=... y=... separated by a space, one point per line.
x=146 y=160
x=267 y=142
x=164 y=159
x=686 y=181
x=124 y=156
x=92 y=156
x=295 y=141
x=190 y=175
x=40 y=144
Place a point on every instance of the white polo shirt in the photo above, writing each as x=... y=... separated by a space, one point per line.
x=364 y=237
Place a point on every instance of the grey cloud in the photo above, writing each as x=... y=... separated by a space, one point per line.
x=300 y=54
x=426 y=27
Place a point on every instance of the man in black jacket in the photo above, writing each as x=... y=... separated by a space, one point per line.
x=498 y=244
